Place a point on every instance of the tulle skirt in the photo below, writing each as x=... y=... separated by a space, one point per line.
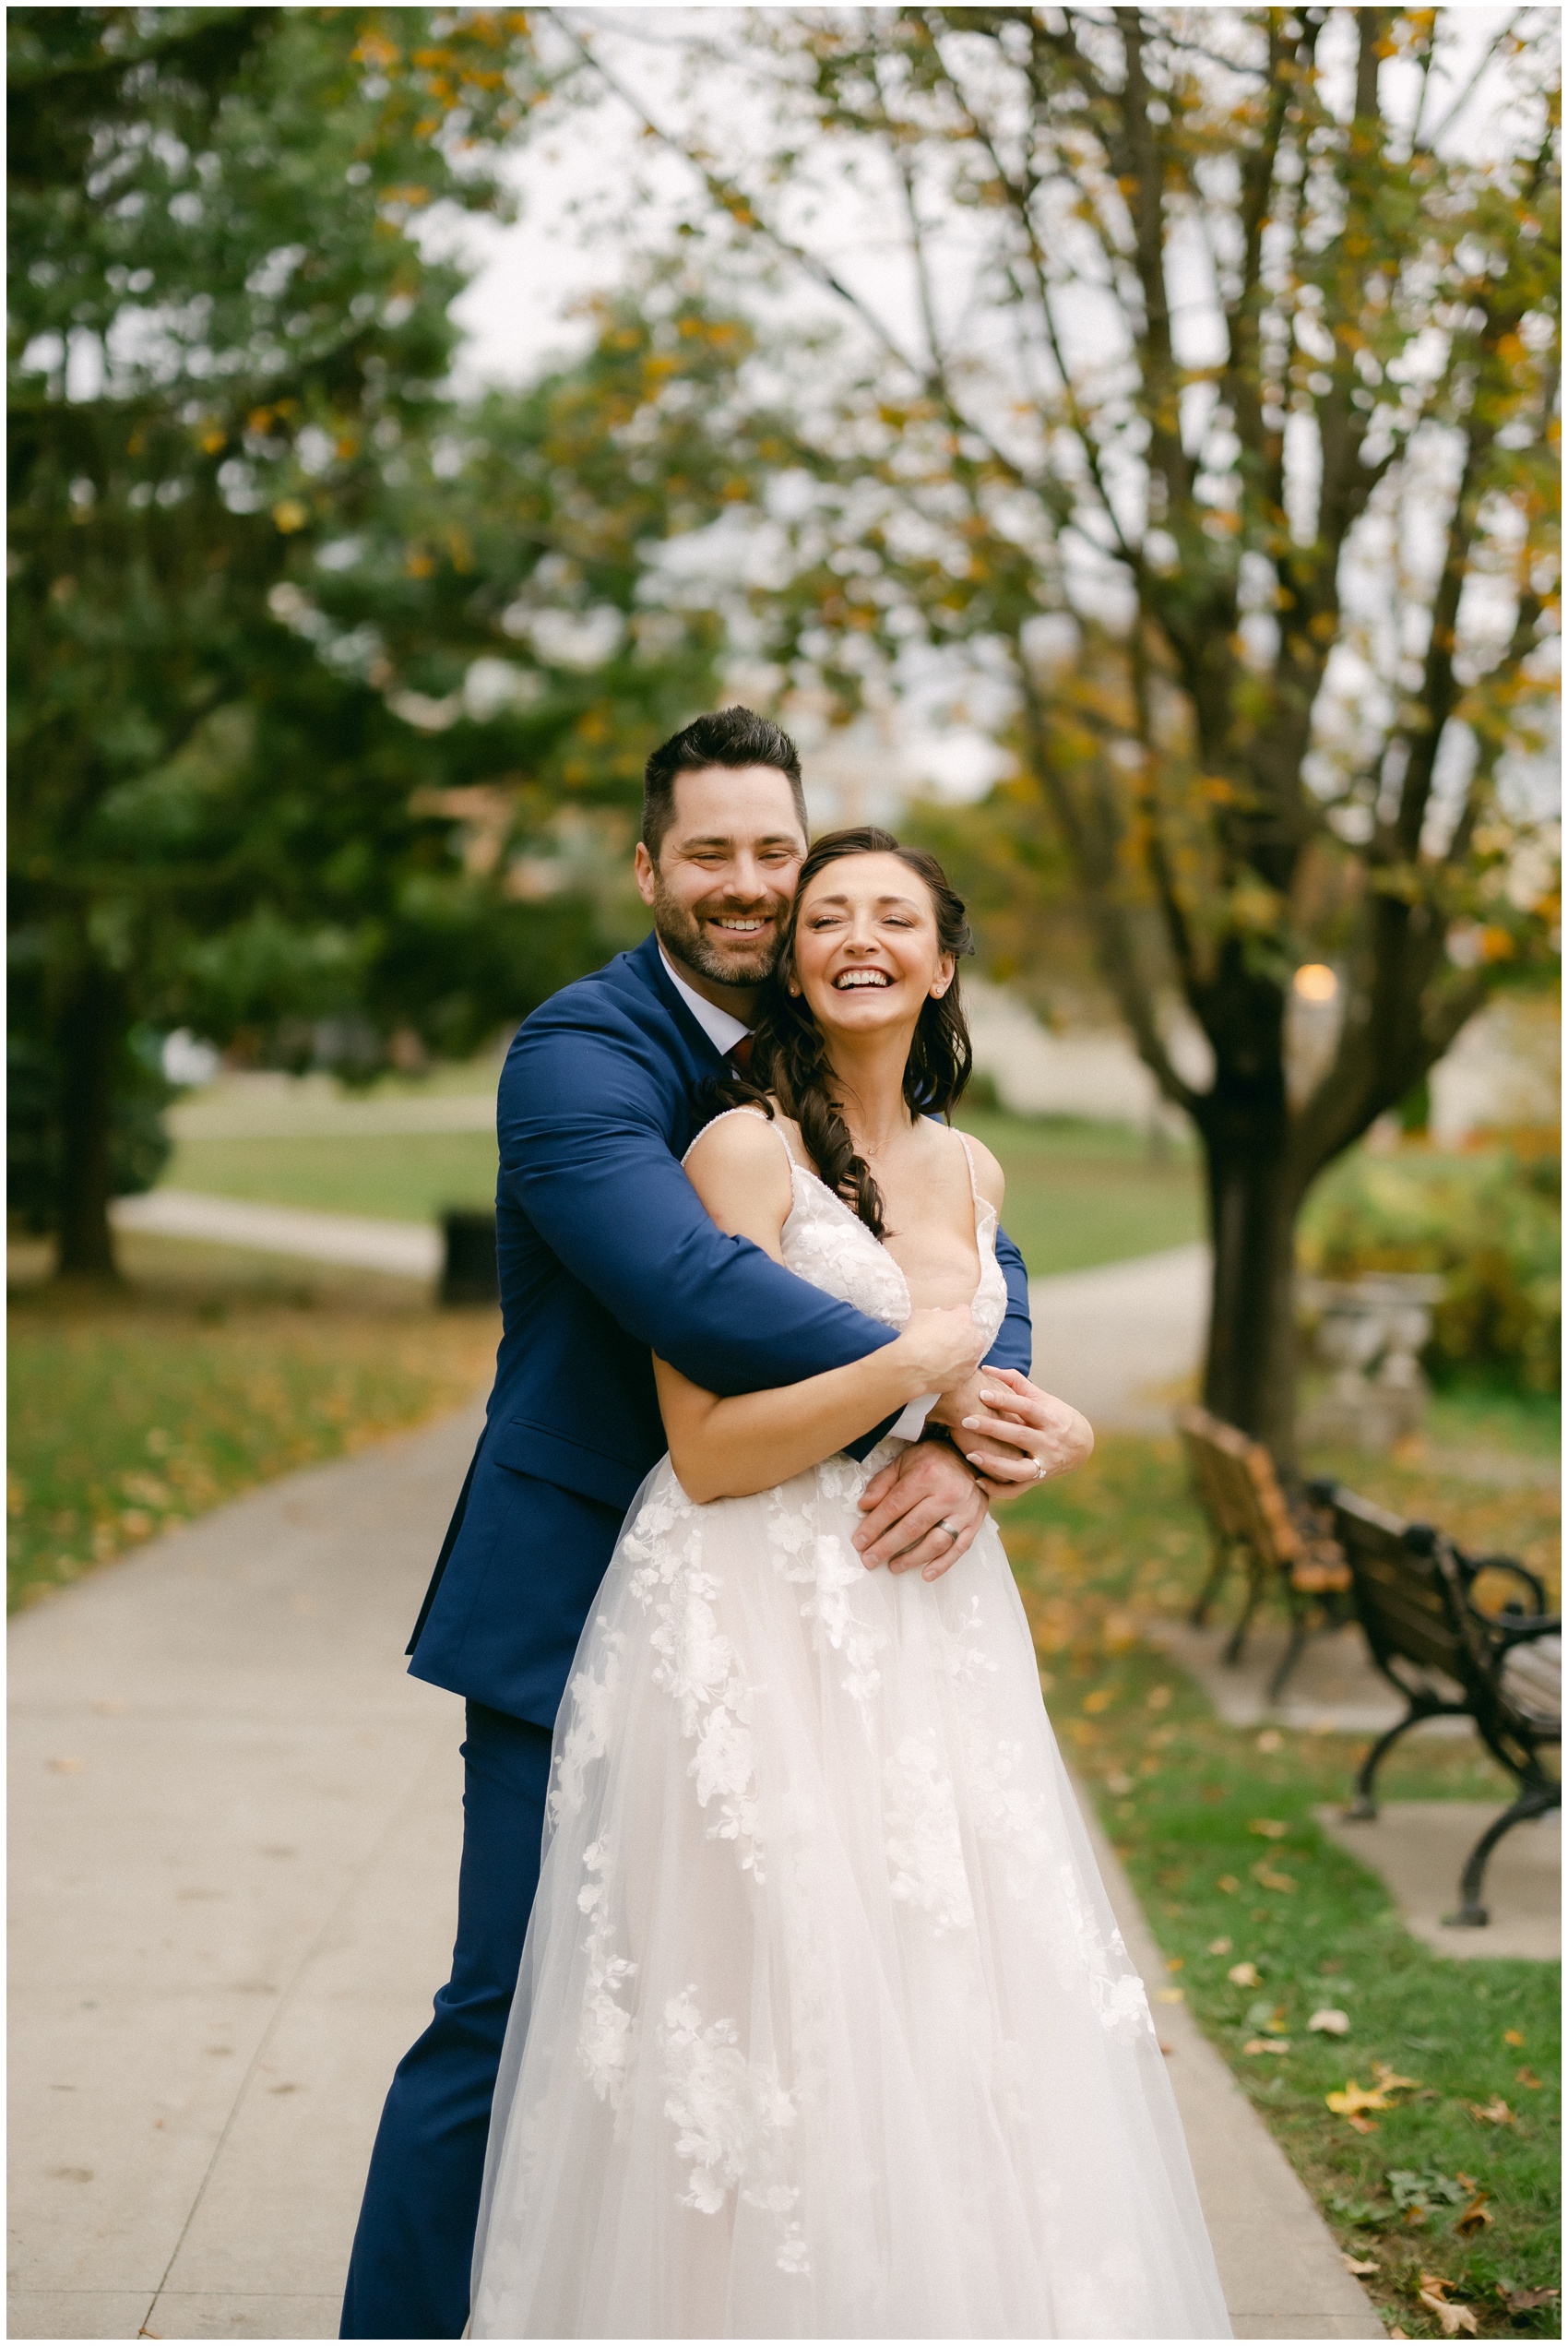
x=824 y=2025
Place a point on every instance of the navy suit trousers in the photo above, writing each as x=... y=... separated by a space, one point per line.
x=408 y=2274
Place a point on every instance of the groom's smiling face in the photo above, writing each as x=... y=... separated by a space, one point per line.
x=722 y=886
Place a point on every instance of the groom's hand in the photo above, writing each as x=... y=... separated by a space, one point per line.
x=908 y=1506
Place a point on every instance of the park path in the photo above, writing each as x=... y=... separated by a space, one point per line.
x=234 y=1849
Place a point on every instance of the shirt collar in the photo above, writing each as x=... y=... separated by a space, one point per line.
x=721 y=1030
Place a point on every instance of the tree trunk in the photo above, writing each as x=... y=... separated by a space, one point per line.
x=92 y=1036
x=1253 y=1194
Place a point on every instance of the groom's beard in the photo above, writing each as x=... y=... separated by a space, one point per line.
x=746 y=962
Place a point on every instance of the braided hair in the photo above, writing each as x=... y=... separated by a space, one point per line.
x=788 y=1058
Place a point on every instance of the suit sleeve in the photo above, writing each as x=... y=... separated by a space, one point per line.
x=585 y=1152
x=1014 y=1347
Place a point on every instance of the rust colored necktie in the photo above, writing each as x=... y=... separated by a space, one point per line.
x=739 y=1055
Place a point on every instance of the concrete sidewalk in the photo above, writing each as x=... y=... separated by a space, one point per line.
x=406 y=1249
x=1115 y=1340
x=234 y=1839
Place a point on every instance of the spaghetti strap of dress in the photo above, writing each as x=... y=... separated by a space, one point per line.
x=764 y=1117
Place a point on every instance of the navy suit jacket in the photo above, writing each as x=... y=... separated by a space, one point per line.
x=606 y=1257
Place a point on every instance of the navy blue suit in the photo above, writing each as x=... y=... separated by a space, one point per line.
x=606 y=1257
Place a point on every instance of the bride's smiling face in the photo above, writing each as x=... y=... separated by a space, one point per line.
x=866 y=951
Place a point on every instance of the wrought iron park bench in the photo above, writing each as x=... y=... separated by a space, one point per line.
x=1416 y=1593
x=1278 y=1535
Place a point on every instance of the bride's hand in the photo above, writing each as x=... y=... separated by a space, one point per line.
x=942 y=1346
x=1040 y=1436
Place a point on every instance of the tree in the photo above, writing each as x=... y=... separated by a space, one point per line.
x=258 y=550
x=1207 y=331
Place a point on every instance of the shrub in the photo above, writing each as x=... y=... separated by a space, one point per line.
x=1490 y=1223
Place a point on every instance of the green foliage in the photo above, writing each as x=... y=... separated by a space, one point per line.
x=1490 y=1224
x=307 y=660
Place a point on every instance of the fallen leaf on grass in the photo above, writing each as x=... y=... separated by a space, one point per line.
x=1524 y=2301
x=1433 y=2290
x=1118 y=1782
x=1268 y=2045
x=1513 y=2036
x=1269 y=1826
x=1476 y=2214
x=1528 y=2079
x=1359 y=2265
x=1330 y=2022
x=1175 y=1962
x=1388 y=2082
x=1268 y=1878
x=1243 y=1975
x=1454 y=2319
x=1228 y=1884
x=1353 y=2098
x=1219 y=1946
x=1169 y=1996
x=1100 y=1699
x=1495 y=2112
x=1271 y=1740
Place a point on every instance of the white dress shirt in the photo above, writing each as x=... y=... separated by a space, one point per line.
x=724 y=1031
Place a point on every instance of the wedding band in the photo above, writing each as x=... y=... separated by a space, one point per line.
x=951 y=1529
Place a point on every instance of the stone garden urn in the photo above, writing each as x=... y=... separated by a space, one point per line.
x=1370 y=1332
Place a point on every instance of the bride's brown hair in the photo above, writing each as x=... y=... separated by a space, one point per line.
x=790 y=1056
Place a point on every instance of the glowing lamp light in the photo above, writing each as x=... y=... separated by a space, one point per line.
x=1315 y=981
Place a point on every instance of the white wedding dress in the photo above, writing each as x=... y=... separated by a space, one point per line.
x=824 y=2027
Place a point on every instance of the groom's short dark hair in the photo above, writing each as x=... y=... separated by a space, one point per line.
x=730 y=737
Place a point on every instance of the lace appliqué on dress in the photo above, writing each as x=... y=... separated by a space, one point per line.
x=591 y=1705
x=826 y=1563
x=731 y=2118
x=607 y=2034
x=925 y=1849
x=1115 y=1989
x=697 y=1664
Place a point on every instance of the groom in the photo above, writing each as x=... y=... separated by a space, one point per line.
x=607 y=1257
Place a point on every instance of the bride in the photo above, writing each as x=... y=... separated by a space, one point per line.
x=824 y=2027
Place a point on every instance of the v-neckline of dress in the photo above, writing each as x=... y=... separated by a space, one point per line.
x=981 y=1205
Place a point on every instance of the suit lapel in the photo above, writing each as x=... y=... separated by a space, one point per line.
x=707 y=1058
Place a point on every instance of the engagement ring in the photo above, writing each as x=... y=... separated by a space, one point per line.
x=1039 y=1469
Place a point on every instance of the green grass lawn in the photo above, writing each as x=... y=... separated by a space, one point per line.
x=394 y=1176
x=212 y=1371
x=1077 y=1193
x=1487 y=1417
x=1080 y=1194
x=1182 y=1796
